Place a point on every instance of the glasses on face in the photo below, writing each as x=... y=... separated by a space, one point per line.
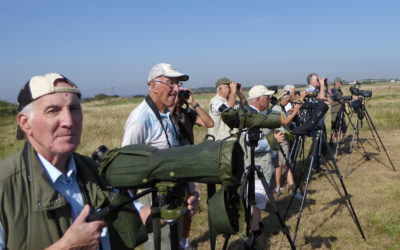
x=170 y=84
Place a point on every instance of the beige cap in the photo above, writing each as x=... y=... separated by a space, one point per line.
x=259 y=90
x=167 y=70
x=39 y=86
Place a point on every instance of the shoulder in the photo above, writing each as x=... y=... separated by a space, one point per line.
x=10 y=166
x=141 y=114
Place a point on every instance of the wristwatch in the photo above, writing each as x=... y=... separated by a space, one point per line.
x=196 y=105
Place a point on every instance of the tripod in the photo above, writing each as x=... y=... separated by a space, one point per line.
x=362 y=112
x=315 y=151
x=248 y=183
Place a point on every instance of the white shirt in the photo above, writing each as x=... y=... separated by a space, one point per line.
x=143 y=127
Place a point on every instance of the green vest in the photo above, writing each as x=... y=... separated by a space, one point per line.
x=34 y=215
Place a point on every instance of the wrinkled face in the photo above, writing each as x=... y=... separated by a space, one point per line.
x=55 y=125
x=223 y=90
x=314 y=81
x=166 y=89
x=263 y=102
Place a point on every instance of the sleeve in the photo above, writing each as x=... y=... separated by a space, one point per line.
x=262 y=146
x=135 y=133
x=216 y=105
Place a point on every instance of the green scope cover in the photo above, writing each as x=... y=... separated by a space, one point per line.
x=233 y=118
x=141 y=166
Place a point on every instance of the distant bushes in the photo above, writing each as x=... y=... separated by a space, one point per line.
x=99 y=97
x=7 y=109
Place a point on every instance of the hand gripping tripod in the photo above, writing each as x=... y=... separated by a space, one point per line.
x=317 y=144
x=248 y=185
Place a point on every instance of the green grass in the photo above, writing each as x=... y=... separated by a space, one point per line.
x=121 y=101
x=373 y=186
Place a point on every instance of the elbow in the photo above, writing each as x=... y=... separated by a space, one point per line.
x=209 y=124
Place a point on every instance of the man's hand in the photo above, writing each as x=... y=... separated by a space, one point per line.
x=193 y=202
x=233 y=86
x=296 y=107
x=280 y=137
x=81 y=234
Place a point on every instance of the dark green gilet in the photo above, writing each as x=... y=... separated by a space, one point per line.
x=35 y=216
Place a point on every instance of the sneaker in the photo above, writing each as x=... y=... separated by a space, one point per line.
x=298 y=196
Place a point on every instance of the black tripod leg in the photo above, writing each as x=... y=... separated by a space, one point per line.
x=340 y=177
x=380 y=140
x=315 y=146
x=174 y=235
x=275 y=207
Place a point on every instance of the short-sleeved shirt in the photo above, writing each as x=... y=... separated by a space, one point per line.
x=143 y=127
x=220 y=130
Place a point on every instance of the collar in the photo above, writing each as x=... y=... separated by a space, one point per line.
x=53 y=172
x=254 y=108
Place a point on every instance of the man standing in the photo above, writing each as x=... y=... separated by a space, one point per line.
x=337 y=116
x=224 y=99
x=47 y=190
x=150 y=123
x=318 y=85
x=259 y=100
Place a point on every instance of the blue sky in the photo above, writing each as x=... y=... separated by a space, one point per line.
x=107 y=46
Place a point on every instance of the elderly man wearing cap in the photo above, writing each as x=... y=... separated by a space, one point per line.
x=150 y=123
x=259 y=100
x=337 y=117
x=225 y=98
x=47 y=190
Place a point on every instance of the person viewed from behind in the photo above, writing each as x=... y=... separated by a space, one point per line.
x=47 y=190
x=225 y=98
x=338 y=122
x=150 y=123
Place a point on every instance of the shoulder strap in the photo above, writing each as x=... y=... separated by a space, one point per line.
x=153 y=107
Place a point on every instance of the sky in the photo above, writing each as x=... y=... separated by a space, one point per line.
x=110 y=46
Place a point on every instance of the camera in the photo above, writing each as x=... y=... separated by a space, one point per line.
x=297 y=92
x=342 y=98
x=238 y=86
x=312 y=94
x=358 y=92
x=273 y=88
x=184 y=93
x=325 y=82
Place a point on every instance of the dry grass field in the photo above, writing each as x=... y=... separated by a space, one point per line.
x=326 y=222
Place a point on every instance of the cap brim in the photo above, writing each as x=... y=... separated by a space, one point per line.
x=178 y=75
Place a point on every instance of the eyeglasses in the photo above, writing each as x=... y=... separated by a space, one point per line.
x=170 y=84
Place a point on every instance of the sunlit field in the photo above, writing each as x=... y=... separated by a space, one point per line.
x=326 y=223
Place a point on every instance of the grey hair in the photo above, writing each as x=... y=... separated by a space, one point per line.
x=28 y=110
x=289 y=87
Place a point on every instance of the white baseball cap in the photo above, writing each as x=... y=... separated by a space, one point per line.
x=167 y=70
x=259 y=90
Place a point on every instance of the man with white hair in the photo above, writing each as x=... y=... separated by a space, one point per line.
x=150 y=123
x=47 y=190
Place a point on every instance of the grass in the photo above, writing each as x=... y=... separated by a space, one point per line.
x=325 y=223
